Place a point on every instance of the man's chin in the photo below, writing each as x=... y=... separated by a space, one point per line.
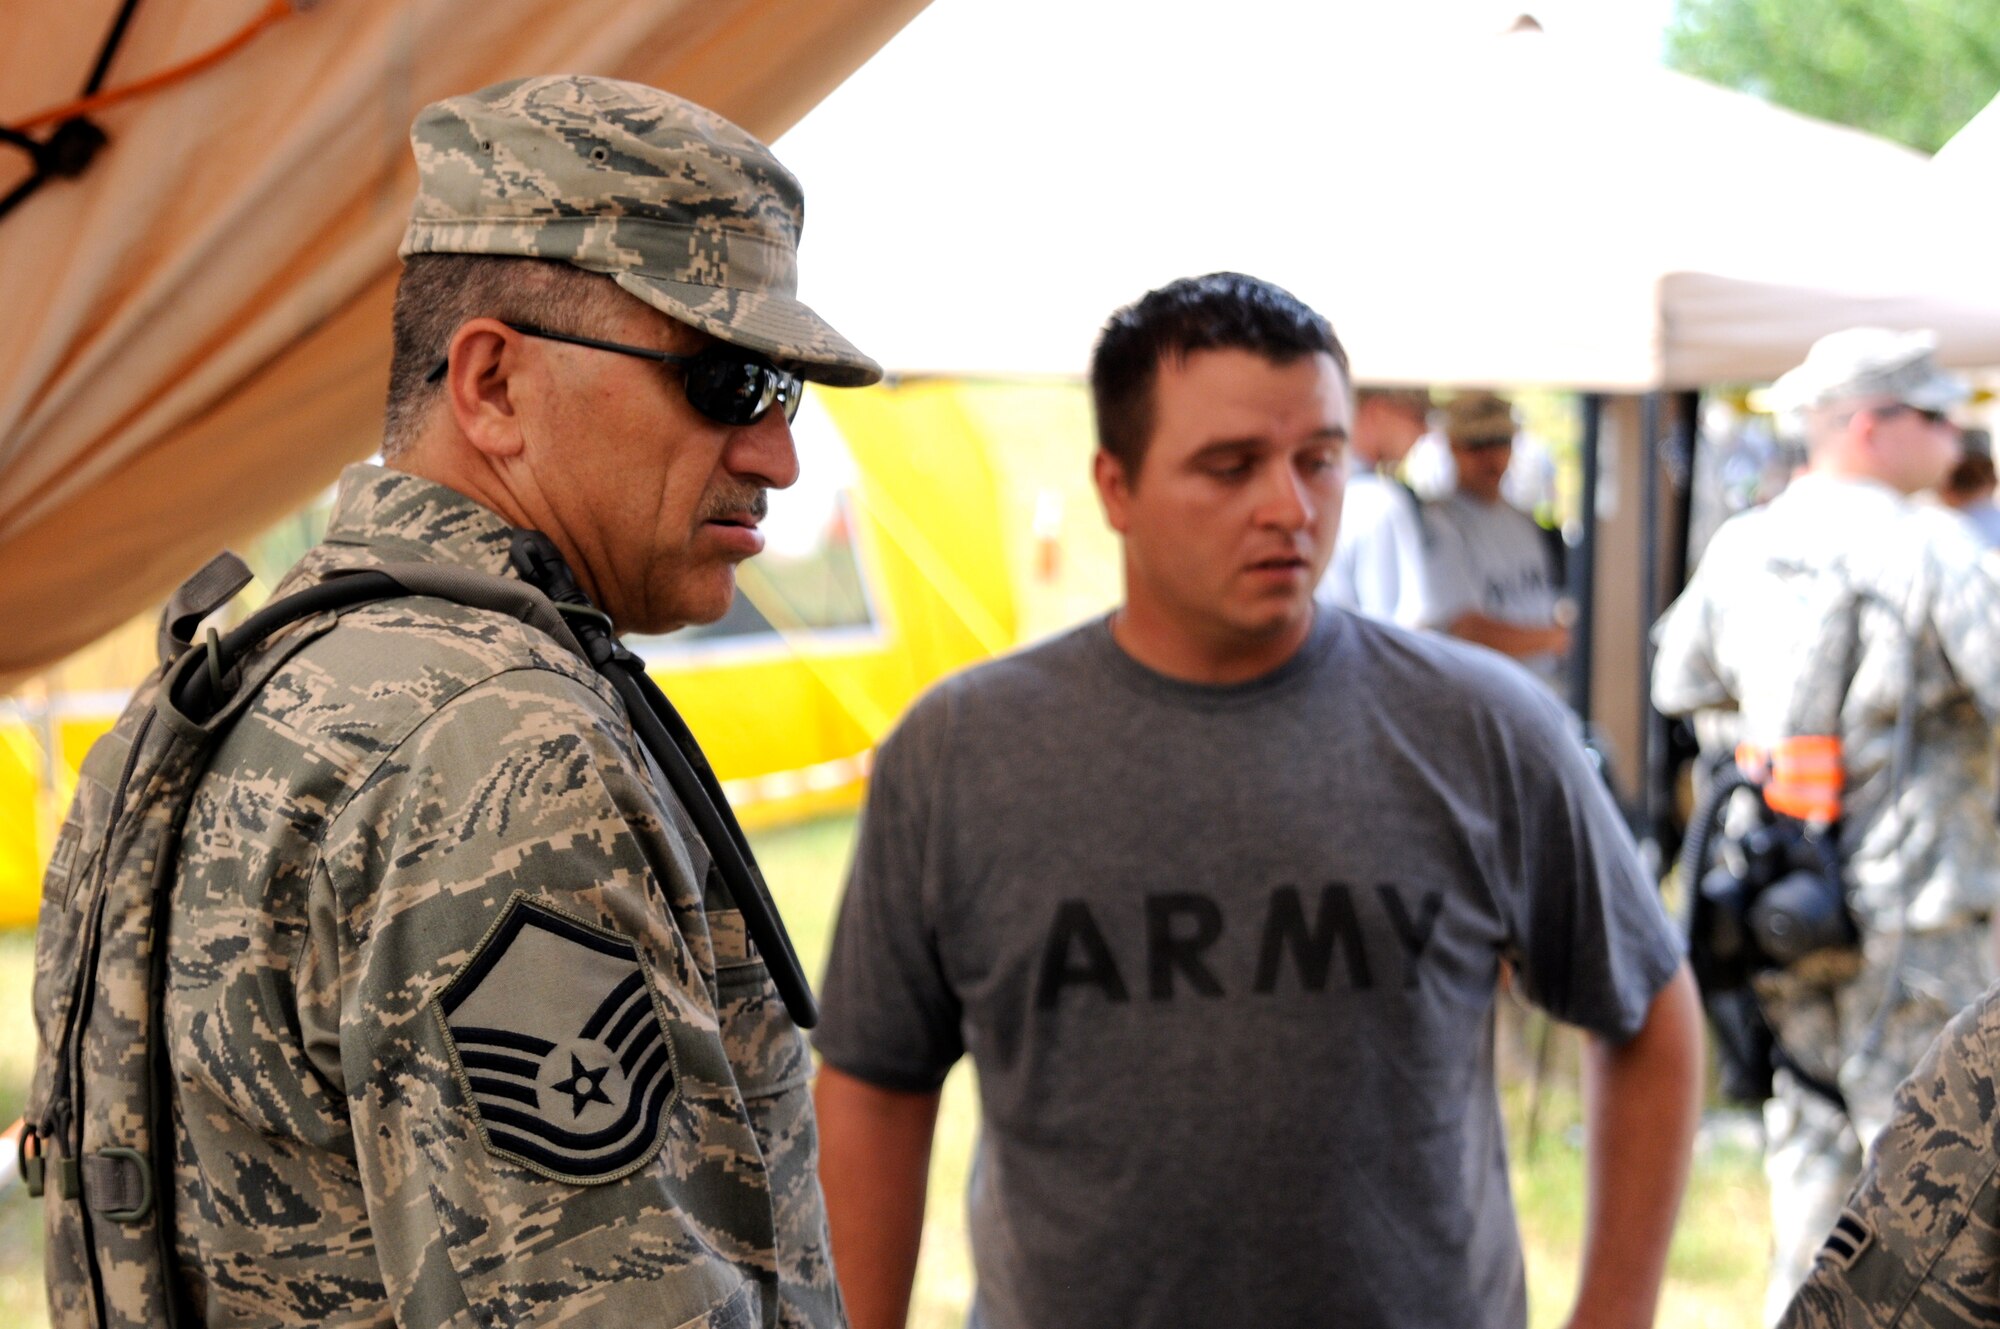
x=684 y=611
x=1275 y=621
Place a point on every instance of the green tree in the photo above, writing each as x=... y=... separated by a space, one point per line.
x=1910 y=70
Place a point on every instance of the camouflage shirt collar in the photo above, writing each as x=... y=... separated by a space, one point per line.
x=1861 y=492
x=398 y=517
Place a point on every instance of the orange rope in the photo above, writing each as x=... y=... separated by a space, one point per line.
x=274 y=11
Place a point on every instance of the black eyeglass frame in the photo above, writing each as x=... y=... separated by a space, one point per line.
x=785 y=389
x=1930 y=415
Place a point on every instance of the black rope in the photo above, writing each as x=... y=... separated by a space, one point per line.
x=69 y=149
x=112 y=41
x=36 y=177
x=20 y=192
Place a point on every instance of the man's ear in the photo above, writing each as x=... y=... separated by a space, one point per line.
x=1114 y=489
x=482 y=386
x=1864 y=433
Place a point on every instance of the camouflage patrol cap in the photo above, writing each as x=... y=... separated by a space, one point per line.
x=677 y=205
x=1861 y=363
x=1478 y=420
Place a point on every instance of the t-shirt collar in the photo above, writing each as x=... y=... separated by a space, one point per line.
x=1305 y=661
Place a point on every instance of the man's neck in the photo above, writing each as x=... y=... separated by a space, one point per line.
x=1170 y=649
x=486 y=488
x=1834 y=467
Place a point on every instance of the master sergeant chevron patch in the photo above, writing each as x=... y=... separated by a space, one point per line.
x=559 y=1046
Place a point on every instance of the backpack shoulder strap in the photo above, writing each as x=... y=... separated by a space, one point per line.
x=98 y=1137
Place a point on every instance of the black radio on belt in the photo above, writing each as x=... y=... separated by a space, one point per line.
x=1767 y=899
x=1773 y=899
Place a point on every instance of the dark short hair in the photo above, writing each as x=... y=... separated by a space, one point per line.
x=1221 y=311
x=1973 y=473
x=437 y=293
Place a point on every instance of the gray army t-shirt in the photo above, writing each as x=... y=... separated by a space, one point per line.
x=1491 y=559
x=1225 y=959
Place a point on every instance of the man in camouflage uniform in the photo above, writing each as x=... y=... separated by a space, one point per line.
x=1843 y=597
x=463 y=1026
x=1919 y=1241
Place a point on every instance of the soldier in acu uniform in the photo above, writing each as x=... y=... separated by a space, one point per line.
x=1845 y=601
x=463 y=1027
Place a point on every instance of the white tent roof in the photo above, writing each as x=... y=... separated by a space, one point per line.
x=196 y=331
x=1974 y=150
x=1493 y=209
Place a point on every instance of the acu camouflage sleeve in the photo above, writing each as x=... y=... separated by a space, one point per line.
x=1685 y=677
x=1919 y=1241
x=508 y=976
x=1966 y=613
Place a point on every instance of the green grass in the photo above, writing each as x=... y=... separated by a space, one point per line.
x=1715 y=1268
x=1715 y=1272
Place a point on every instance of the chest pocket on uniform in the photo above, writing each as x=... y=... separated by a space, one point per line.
x=764 y=1047
x=773 y=1070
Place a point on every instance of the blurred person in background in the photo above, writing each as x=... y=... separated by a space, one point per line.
x=1215 y=890
x=1378 y=560
x=1850 y=639
x=1490 y=579
x=1968 y=490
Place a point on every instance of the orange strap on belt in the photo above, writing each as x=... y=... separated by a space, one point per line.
x=1801 y=776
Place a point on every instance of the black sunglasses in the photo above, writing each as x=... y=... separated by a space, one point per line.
x=1898 y=407
x=726 y=383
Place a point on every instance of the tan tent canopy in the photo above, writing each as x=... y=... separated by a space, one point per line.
x=1467 y=208
x=196 y=330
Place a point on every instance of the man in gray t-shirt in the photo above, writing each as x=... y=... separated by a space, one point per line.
x=1489 y=578
x=1215 y=891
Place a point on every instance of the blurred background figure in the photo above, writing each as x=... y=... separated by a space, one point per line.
x=1489 y=578
x=1968 y=490
x=1844 y=617
x=1532 y=482
x=1378 y=558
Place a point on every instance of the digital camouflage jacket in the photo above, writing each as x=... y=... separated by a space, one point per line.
x=461 y=1026
x=1918 y=1244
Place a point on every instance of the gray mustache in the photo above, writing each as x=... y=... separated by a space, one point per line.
x=744 y=498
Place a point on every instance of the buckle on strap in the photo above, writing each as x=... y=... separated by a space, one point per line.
x=118 y=1184
x=34 y=1168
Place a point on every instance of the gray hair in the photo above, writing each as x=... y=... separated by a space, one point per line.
x=438 y=293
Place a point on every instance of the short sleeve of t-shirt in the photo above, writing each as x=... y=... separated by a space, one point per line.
x=1590 y=940
x=889 y=1016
